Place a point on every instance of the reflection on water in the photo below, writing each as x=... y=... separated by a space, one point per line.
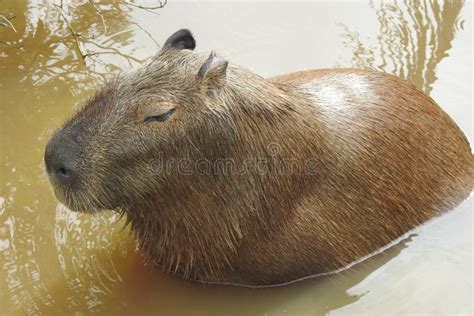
x=66 y=41
x=89 y=274
x=53 y=263
x=413 y=38
x=53 y=56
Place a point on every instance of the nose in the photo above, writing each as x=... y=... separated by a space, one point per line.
x=60 y=160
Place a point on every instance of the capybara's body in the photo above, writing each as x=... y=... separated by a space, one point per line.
x=255 y=181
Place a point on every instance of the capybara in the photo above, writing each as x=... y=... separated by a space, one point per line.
x=228 y=177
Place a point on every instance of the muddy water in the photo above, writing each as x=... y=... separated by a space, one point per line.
x=53 y=261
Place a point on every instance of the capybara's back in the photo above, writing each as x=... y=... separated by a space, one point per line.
x=392 y=160
x=229 y=177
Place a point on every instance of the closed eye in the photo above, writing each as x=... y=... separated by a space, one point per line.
x=159 y=118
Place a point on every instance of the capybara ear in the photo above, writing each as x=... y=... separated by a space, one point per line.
x=182 y=39
x=211 y=76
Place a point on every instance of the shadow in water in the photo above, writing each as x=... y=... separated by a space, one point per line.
x=414 y=36
x=152 y=290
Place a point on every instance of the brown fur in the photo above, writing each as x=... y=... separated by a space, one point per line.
x=384 y=159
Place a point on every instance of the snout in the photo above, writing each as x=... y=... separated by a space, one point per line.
x=61 y=161
x=64 y=159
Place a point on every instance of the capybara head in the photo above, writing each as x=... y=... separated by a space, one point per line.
x=135 y=142
x=106 y=156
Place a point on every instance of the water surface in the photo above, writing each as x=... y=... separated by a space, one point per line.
x=53 y=261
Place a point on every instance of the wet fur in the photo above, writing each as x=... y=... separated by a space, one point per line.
x=388 y=158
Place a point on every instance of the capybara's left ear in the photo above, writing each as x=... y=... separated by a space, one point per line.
x=212 y=74
x=182 y=39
